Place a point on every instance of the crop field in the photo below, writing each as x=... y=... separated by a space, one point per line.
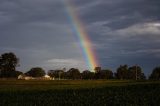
x=79 y=93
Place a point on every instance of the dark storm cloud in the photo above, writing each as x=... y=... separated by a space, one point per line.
x=137 y=44
x=122 y=13
x=122 y=32
x=38 y=31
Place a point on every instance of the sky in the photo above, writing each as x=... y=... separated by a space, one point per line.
x=40 y=33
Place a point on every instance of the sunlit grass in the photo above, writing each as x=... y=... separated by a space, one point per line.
x=64 y=84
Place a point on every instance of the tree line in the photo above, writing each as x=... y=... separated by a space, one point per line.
x=9 y=62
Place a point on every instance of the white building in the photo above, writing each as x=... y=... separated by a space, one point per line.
x=24 y=77
x=47 y=77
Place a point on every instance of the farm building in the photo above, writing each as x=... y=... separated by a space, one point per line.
x=25 y=77
x=47 y=77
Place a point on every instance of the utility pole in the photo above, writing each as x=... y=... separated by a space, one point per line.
x=59 y=73
x=136 y=71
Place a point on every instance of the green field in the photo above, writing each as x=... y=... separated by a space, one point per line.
x=79 y=93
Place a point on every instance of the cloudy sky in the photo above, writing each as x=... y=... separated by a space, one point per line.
x=40 y=33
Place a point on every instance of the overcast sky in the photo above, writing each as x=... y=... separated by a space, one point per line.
x=40 y=33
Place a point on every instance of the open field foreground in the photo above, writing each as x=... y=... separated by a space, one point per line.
x=79 y=93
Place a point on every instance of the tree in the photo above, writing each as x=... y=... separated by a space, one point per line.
x=108 y=74
x=8 y=61
x=97 y=69
x=155 y=74
x=104 y=74
x=10 y=74
x=122 y=72
x=87 y=75
x=8 y=64
x=36 y=72
x=73 y=73
x=135 y=72
x=56 y=73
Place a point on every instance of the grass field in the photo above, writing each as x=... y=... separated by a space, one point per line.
x=79 y=93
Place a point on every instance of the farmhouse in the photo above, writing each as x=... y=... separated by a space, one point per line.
x=25 y=77
x=47 y=77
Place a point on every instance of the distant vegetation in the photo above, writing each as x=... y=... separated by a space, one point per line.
x=9 y=62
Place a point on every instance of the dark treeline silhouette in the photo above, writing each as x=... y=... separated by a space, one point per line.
x=133 y=72
x=155 y=75
x=35 y=72
x=9 y=62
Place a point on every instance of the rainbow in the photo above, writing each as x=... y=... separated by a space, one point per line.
x=82 y=35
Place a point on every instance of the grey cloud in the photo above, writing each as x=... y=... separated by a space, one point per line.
x=67 y=63
x=137 y=44
x=121 y=31
x=36 y=30
x=122 y=13
x=125 y=32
